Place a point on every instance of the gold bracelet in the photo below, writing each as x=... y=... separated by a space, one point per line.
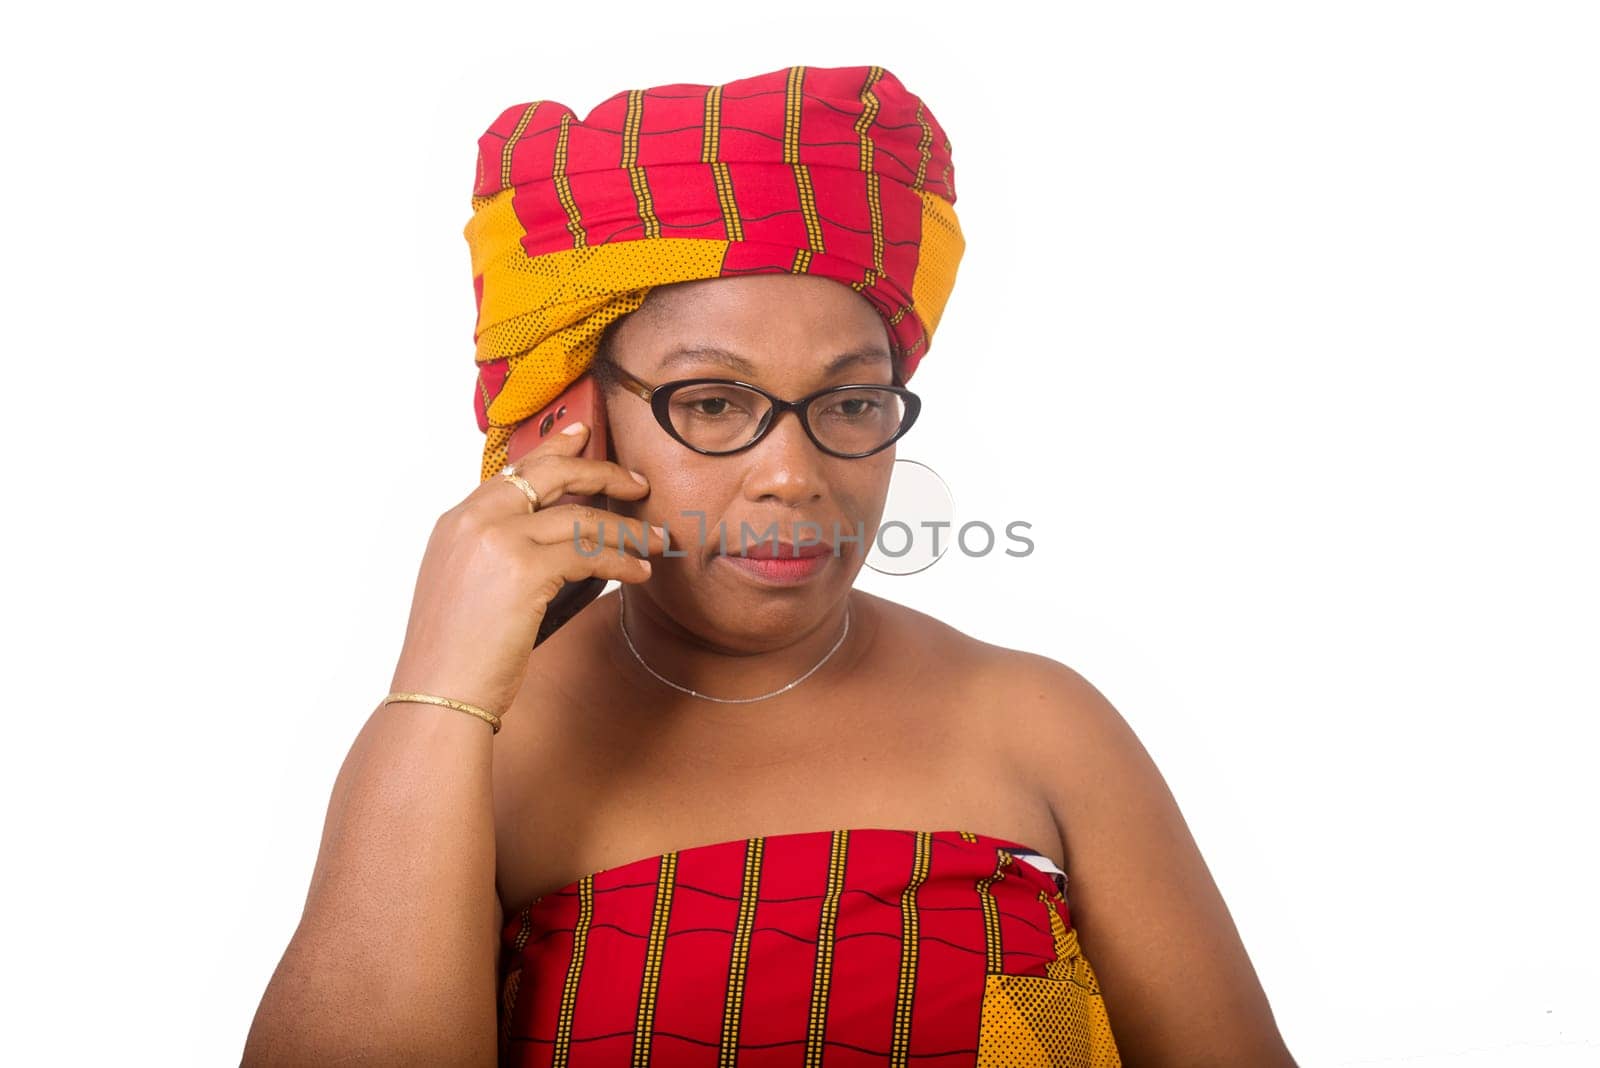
x=460 y=706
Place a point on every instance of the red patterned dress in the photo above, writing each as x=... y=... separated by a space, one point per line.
x=836 y=948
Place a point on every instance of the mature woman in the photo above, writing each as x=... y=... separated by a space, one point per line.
x=736 y=812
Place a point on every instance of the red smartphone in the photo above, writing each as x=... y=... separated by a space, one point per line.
x=581 y=402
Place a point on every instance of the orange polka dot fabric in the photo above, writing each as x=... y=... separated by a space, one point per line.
x=838 y=172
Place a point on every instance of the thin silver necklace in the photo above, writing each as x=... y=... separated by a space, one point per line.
x=622 y=620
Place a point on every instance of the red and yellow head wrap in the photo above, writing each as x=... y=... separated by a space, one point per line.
x=838 y=172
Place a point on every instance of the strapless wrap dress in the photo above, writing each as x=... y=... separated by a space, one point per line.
x=817 y=949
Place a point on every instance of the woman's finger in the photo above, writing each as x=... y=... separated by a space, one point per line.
x=586 y=560
x=554 y=468
x=567 y=443
x=576 y=522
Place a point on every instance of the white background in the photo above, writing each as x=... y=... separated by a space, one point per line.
x=1278 y=321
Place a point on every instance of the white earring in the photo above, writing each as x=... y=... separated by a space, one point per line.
x=918 y=523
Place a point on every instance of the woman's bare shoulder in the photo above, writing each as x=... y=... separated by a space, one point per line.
x=1003 y=674
x=1036 y=708
x=918 y=635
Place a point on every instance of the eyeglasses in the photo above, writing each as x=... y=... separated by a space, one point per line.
x=721 y=416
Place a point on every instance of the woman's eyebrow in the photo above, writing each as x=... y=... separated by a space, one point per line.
x=734 y=361
x=859 y=356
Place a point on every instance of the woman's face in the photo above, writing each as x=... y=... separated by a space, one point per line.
x=786 y=334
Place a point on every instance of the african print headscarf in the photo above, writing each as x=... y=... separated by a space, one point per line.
x=837 y=172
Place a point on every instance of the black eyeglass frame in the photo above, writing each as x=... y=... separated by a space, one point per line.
x=660 y=396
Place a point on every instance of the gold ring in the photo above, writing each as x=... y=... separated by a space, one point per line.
x=510 y=475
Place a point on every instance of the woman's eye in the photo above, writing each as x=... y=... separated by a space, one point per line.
x=852 y=408
x=709 y=405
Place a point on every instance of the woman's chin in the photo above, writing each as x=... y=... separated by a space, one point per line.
x=735 y=602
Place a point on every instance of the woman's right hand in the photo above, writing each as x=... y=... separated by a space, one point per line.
x=491 y=570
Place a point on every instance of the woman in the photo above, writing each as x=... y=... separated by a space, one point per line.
x=735 y=812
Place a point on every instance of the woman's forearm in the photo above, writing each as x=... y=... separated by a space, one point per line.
x=395 y=954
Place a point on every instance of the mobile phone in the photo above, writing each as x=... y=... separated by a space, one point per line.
x=581 y=402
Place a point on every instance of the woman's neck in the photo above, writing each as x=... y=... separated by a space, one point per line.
x=670 y=652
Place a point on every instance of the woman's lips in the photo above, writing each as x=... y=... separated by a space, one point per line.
x=779 y=570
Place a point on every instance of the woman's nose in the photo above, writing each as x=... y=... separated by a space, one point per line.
x=785 y=465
